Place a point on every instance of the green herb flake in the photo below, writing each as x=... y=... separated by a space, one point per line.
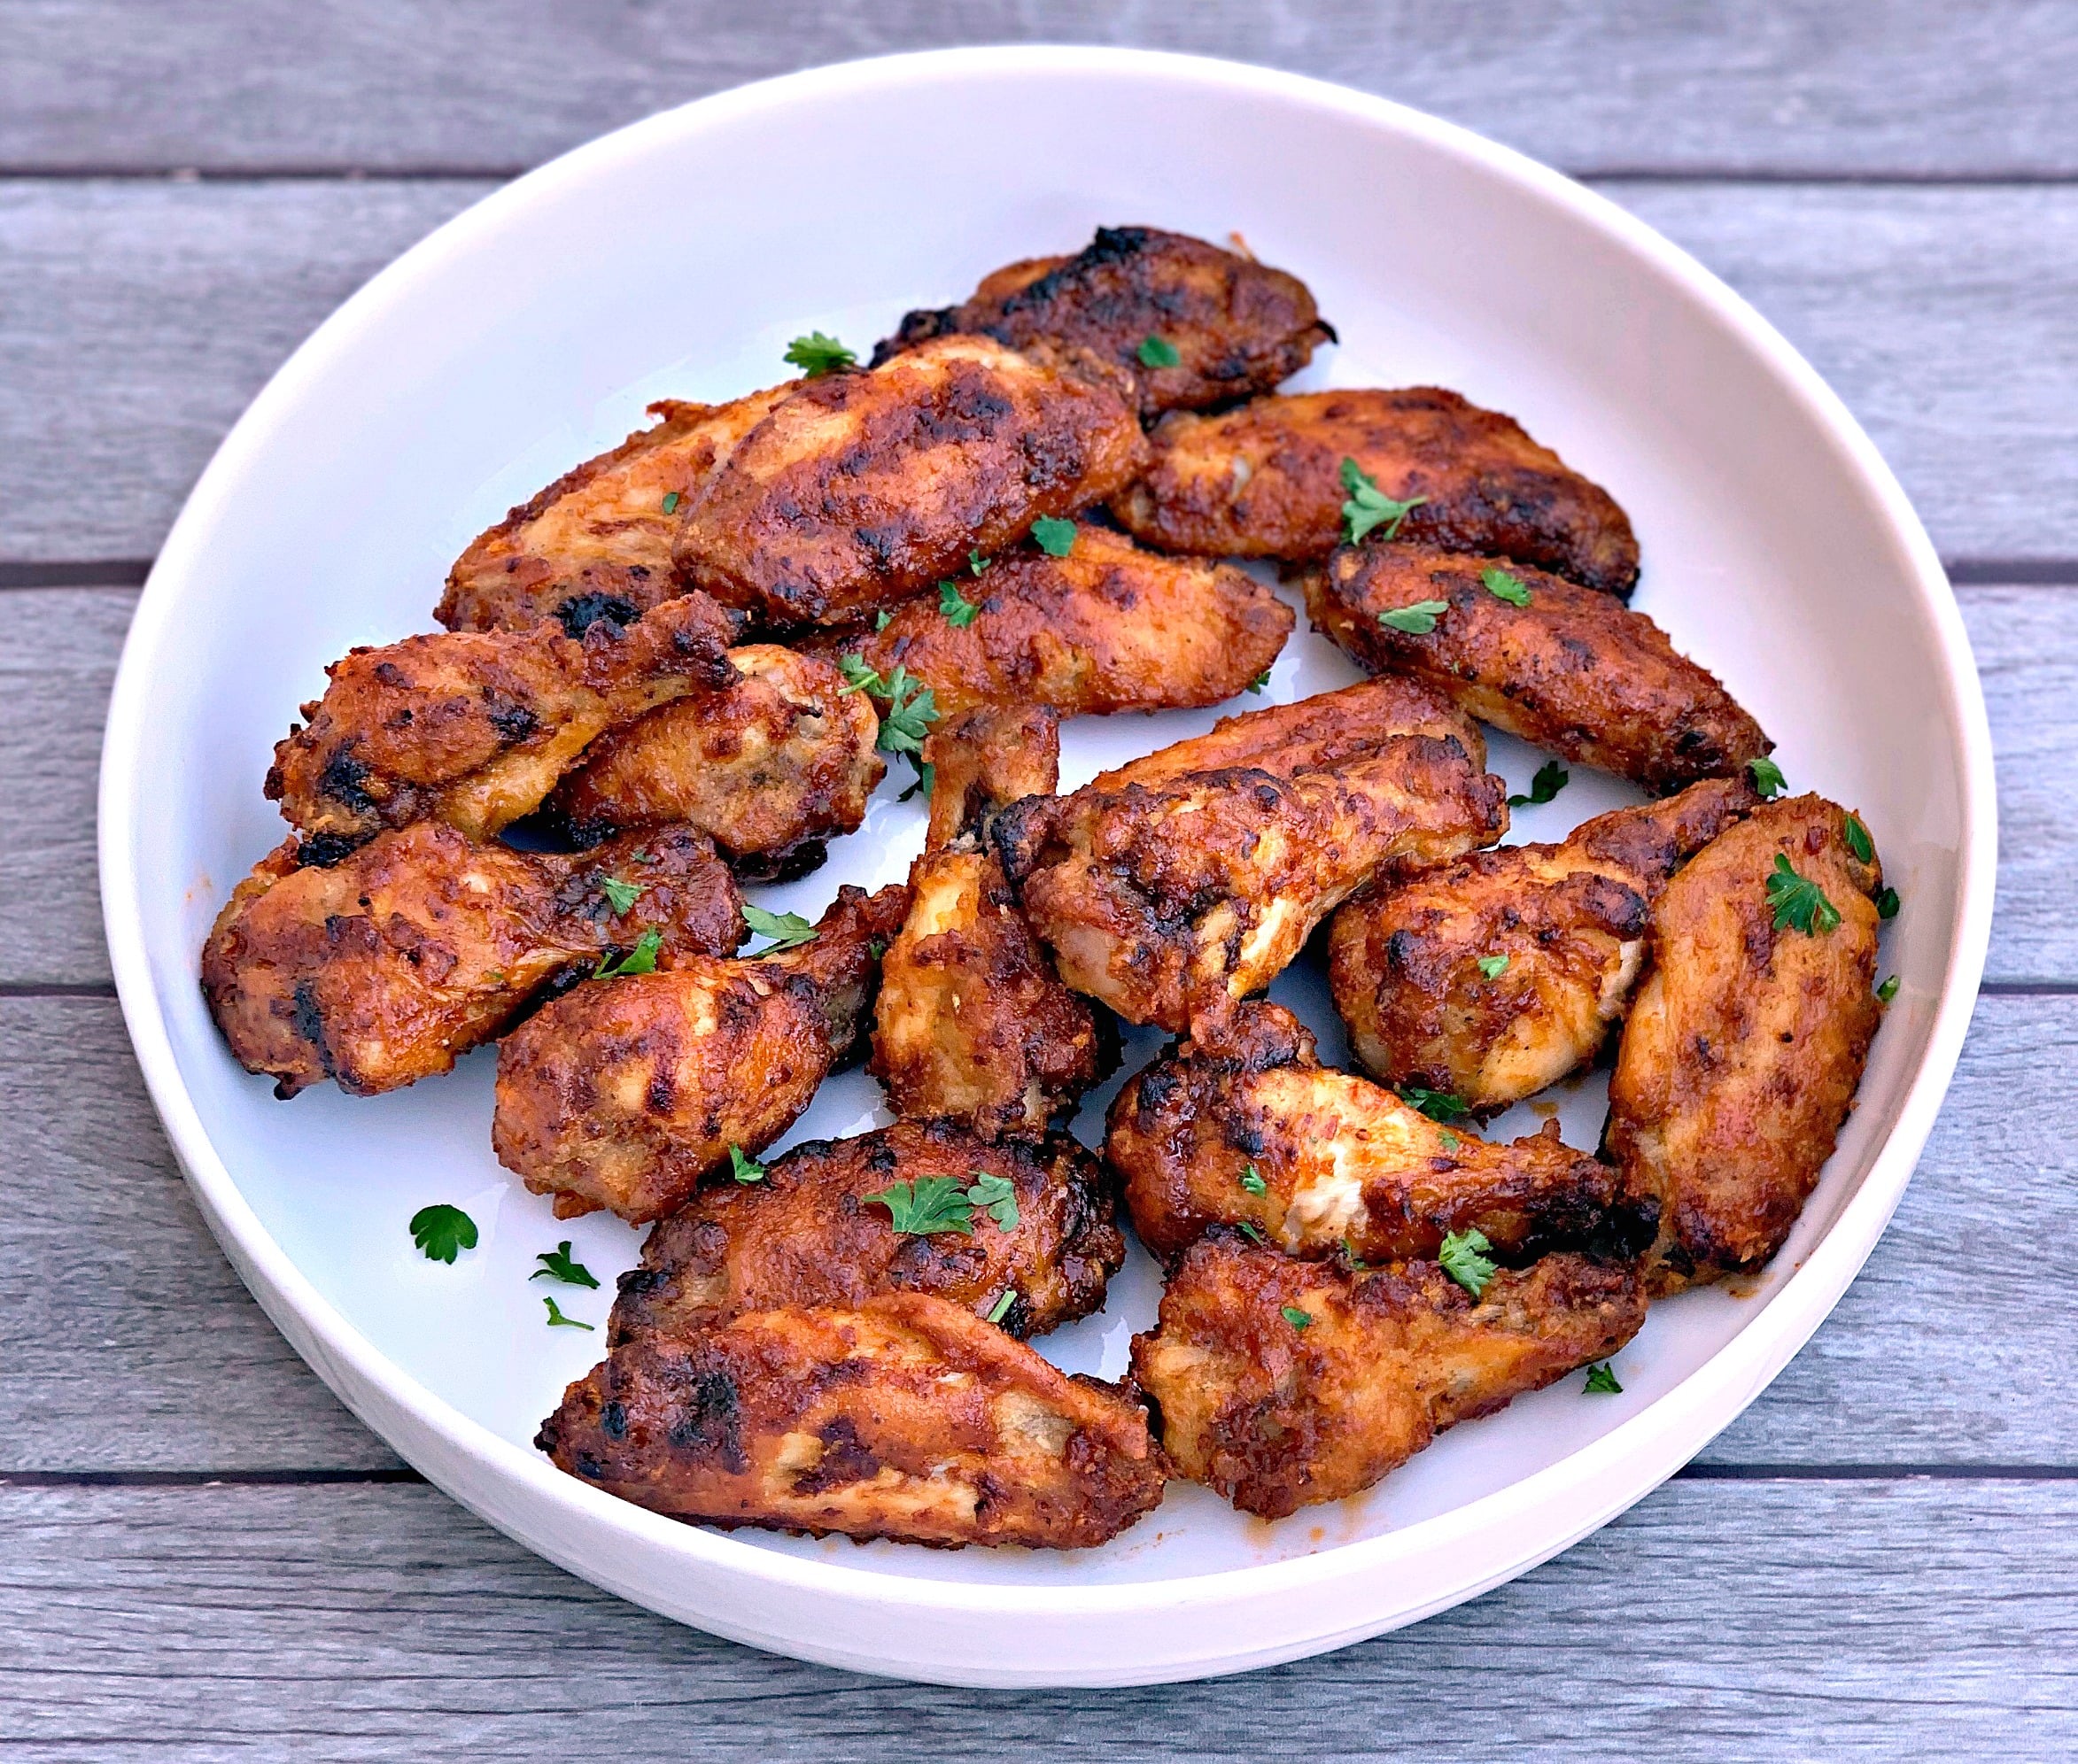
x=883 y=619
x=910 y=712
x=1252 y=1180
x=1800 y=904
x=1438 y=1105
x=556 y=1266
x=442 y=1232
x=958 y=610
x=1157 y=351
x=1767 y=776
x=1298 y=1318
x=640 y=960
x=1493 y=966
x=744 y=1167
x=927 y=1206
x=1370 y=507
x=1259 y=681
x=1351 y=1259
x=926 y=781
x=977 y=564
x=1858 y=841
x=1888 y=990
x=1463 y=1258
x=620 y=895
x=1416 y=620
x=816 y=355
x=1253 y=1234
x=1056 y=538
x=857 y=676
x=1450 y=1142
x=1551 y=778
x=786 y=930
x=1888 y=903
x=1601 y=1381
x=1504 y=586
x=995 y=1195
x=1000 y=1308
x=671 y=502
x=557 y=1320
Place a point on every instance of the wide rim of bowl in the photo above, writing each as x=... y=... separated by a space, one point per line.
x=1591 y=1485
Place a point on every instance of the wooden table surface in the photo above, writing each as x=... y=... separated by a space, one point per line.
x=202 y=1555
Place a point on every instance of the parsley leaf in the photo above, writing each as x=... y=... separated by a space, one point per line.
x=816 y=355
x=1370 y=507
x=786 y=930
x=744 y=1167
x=958 y=610
x=1551 y=778
x=1000 y=1308
x=1888 y=903
x=1450 y=1142
x=620 y=895
x=1601 y=1381
x=928 y=1205
x=910 y=712
x=1493 y=966
x=1417 y=619
x=857 y=676
x=1252 y=1180
x=442 y=1232
x=977 y=563
x=1253 y=1233
x=883 y=619
x=1503 y=586
x=1056 y=538
x=1800 y=904
x=1463 y=1258
x=1351 y=1259
x=640 y=960
x=995 y=1195
x=1438 y=1105
x=1858 y=841
x=1157 y=351
x=1298 y=1318
x=926 y=781
x=556 y=1266
x=1888 y=990
x=557 y=1320
x=1259 y=681
x=1767 y=776
x=671 y=502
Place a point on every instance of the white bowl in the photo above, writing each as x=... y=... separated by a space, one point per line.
x=678 y=257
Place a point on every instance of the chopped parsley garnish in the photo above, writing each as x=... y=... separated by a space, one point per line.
x=857 y=676
x=927 y=1206
x=816 y=354
x=1888 y=903
x=1800 y=904
x=876 y=948
x=1767 y=776
x=1493 y=966
x=1858 y=841
x=1296 y=1317
x=1351 y=1259
x=977 y=563
x=1253 y=1234
x=671 y=502
x=442 y=1232
x=640 y=960
x=1601 y=1381
x=998 y=1196
x=1438 y=1105
x=556 y=1266
x=1370 y=507
x=958 y=610
x=1157 y=351
x=883 y=619
x=1551 y=778
x=1056 y=538
x=1000 y=1308
x=620 y=895
x=786 y=930
x=557 y=1320
x=744 y=1168
x=1417 y=619
x=1252 y=1181
x=1259 y=681
x=926 y=781
x=910 y=712
x=1463 y=1258
x=1503 y=586
x=1450 y=1140
x=1888 y=990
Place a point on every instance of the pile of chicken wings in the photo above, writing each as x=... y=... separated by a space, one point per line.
x=680 y=665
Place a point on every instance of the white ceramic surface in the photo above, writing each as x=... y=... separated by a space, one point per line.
x=677 y=257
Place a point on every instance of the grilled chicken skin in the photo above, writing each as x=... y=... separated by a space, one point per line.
x=1497 y=974
x=1233 y=327
x=1275 y=1415
x=1746 y=1043
x=1254 y=1131
x=597 y=543
x=625 y=1092
x=862 y=489
x=474 y=728
x=1265 y=480
x=770 y=769
x=811 y=1233
x=1107 y=628
x=1571 y=670
x=387 y=965
x=904 y=1416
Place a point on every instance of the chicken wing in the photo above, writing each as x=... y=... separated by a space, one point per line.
x=862 y=489
x=769 y=768
x=1276 y=1413
x=1172 y=900
x=386 y=966
x=1267 y=480
x=1187 y=325
x=597 y=543
x=1029 y=1256
x=1107 y=628
x=1252 y=1130
x=474 y=728
x=1746 y=1040
x=904 y=1416
x=625 y=1092
x=1495 y=975
x=1568 y=669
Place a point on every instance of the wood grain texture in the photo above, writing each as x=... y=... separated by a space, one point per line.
x=1903 y=87
x=1716 y=1619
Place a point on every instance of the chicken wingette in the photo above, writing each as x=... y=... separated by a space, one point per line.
x=904 y=1416
x=1490 y=977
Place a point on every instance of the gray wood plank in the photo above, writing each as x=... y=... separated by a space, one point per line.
x=145 y=315
x=127 y=1344
x=1756 y=1621
x=1905 y=86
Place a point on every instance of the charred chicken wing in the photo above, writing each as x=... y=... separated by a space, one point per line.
x=625 y=1092
x=904 y=1416
x=1746 y=1040
x=1276 y=1413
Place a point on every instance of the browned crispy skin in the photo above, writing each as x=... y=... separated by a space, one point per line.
x=1568 y=920
x=597 y=543
x=983 y=759
x=1573 y=671
x=904 y=1417
x=625 y=1092
x=1275 y=1416
x=810 y=1234
x=862 y=489
x=1238 y=327
x=1107 y=628
x=1266 y=480
x=1746 y=1043
x=1254 y=1131
x=385 y=967
x=769 y=768
x=1173 y=901
x=474 y=728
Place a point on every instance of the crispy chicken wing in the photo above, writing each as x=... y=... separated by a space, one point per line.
x=1746 y=1040
x=1266 y=480
x=1571 y=670
x=474 y=728
x=1107 y=628
x=386 y=966
x=811 y=1233
x=769 y=768
x=1171 y=901
x=904 y=1416
x=862 y=489
x=625 y=1092
x=1275 y=1414
x=1253 y=1130
x=597 y=543
x=1495 y=975
x=1233 y=327
x=984 y=758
